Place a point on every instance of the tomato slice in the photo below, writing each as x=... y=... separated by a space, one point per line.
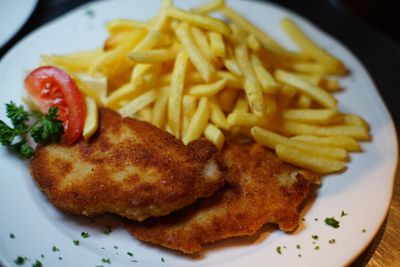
x=50 y=86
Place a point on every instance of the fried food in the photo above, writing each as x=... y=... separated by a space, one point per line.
x=259 y=189
x=129 y=168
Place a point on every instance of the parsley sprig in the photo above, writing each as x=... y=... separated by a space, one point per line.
x=46 y=128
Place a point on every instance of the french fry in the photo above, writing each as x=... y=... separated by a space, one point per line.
x=114 y=62
x=202 y=43
x=153 y=56
x=267 y=138
x=217 y=116
x=76 y=62
x=271 y=105
x=243 y=23
x=232 y=81
x=309 y=162
x=198 y=20
x=200 y=62
x=245 y=119
x=209 y=7
x=317 y=94
x=127 y=91
x=138 y=103
x=312 y=116
x=217 y=44
x=146 y=114
x=91 y=120
x=304 y=101
x=309 y=47
x=252 y=43
x=267 y=41
x=271 y=140
x=330 y=85
x=353 y=119
x=199 y=121
x=230 y=62
x=189 y=104
x=339 y=141
x=93 y=86
x=215 y=135
x=208 y=90
x=251 y=85
x=296 y=128
x=176 y=93
x=268 y=83
x=123 y=25
x=160 y=108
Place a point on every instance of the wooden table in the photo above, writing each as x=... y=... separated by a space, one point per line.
x=384 y=250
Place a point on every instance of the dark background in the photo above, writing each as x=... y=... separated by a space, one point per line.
x=370 y=28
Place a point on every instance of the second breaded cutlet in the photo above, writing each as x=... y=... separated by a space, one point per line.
x=129 y=168
x=259 y=189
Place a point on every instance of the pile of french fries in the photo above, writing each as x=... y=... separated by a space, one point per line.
x=197 y=76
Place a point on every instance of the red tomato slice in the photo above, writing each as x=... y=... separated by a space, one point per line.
x=51 y=86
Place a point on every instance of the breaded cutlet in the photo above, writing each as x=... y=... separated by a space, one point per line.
x=129 y=168
x=259 y=189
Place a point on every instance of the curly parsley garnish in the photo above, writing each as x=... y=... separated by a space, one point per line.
x=19 y=260
x=85 y=234
x=46 y=128
x=106 y=260
x=332 y=222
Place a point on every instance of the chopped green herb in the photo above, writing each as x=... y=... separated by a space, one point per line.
x=55 y=249
x=162 y=259
x=42 y=256
x=343 y=214
x=363 y=230
x=115 y=247
x=47 y=128
x=106 y=260
x=298 y=246
x=12 y=236
x=317 y=248
x=315 y=237
x=19 y=260
x=37 y=264
x=130 y=254
x=90 y=13
x=60 y=258
x=279 y=250
x=299 y=255
x=85 y=234
x=76 y=242
x=303 y=219
x=332 y=241
x=107 y=231
x=332 y=222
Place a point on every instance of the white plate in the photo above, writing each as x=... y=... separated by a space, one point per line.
x=13 y=14
x=363 y=191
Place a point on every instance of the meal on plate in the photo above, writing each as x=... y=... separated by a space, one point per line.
x=191 y=128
